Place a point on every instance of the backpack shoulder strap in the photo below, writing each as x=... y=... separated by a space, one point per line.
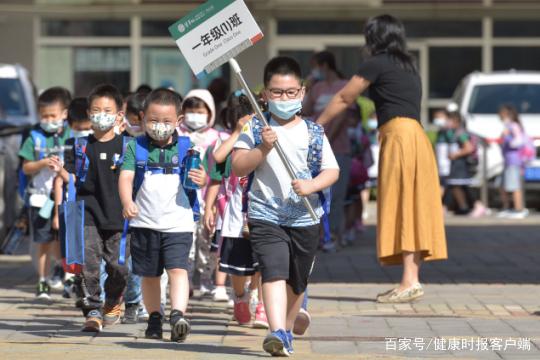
x=316 y=139
x=81 y=160
x=40 y=143
x=141 y=160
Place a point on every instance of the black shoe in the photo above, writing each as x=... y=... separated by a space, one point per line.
x=154 y=330
x=43 y=291
x=131 y=314
x=180 y=327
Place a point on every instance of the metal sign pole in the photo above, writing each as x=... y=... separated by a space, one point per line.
x=238 y=73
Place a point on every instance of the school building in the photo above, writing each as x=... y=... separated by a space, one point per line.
x=78 y=43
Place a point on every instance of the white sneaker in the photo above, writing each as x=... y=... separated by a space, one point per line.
x=56 y=283
x=205 y=291
x=504 y=213
x=220 y=294
x=518 y=214
x=253 y=300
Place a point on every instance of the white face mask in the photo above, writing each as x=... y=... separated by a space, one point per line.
x=51 y=127
x=439 y=122
x=160 y=131
x=103 y=121
x=196 y=121
x=82 y=133
x=133 y=130
x=372 y=124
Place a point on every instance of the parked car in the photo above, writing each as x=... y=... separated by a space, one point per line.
x=478 y=98
x=18 y=114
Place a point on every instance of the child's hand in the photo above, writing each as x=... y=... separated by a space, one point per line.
x=303 y=187
x=269 y=137
x=130 y=211
x=198 y=176
x=241 y=122
x=54 y=163
x=209 y=221
x=55 y=222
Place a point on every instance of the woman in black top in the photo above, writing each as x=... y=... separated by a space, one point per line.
x=410 y=226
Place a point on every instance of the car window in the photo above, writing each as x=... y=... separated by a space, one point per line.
x=12 y=101
x=486 y=99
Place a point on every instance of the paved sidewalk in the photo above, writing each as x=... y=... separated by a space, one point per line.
x=486 y=297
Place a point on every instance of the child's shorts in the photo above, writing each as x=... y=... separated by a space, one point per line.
x=152 y=251
x=284 y=253
x=236 y=257
x=40 y=228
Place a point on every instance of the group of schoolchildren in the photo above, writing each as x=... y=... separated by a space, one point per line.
x=458 y=159
x=148 y=206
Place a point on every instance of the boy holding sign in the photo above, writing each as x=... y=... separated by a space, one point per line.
x=283 y=235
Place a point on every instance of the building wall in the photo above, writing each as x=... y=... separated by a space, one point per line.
x=17 y=40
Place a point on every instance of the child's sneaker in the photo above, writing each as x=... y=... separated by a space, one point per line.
x=143 y=314
x=204 y=291
x=154 y=329
x=241 y=310
x=290 y=337
x=180 y=327
x=261 y=322
x=94 y=322
x=253 y=300
x=43 y=291
x=277 y=343
x=56 y=280
x=131 y=314
x=302 y=321
x=220 y=294
x=111 y=314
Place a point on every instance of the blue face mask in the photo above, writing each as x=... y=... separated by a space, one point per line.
x=317 y=74
x=285 y=110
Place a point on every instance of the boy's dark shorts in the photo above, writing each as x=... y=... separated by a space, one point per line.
x=152 y=251
x=40 y=228
x=284 y=253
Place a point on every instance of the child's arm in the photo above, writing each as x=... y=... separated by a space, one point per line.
x=58 y=195
x=221 y=153
x=210 y=199
x=198 y=176
x=32 y=167
x=325 y=179
x=246 y=161
x=125 y=189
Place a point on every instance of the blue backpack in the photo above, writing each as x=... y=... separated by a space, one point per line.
x=142 y=167
x=40 y=148
x=314 y=161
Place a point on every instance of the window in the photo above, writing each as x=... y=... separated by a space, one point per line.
x=316 y=27
x=448 y=65
x=518 y=58
x=97 y=65
x=156 y=27
x=85 y=27
x=79 y=69
x=166 y=67
x=442 y=28
x=486 y=99
x=521 y=28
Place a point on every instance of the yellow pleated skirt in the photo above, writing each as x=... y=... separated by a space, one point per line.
x=409 y=208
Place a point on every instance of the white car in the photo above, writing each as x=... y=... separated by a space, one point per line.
x=478 y=98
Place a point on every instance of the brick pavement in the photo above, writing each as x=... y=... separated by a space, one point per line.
x=488 y=290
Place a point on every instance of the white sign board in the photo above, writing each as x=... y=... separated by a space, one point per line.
x=215 y=32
